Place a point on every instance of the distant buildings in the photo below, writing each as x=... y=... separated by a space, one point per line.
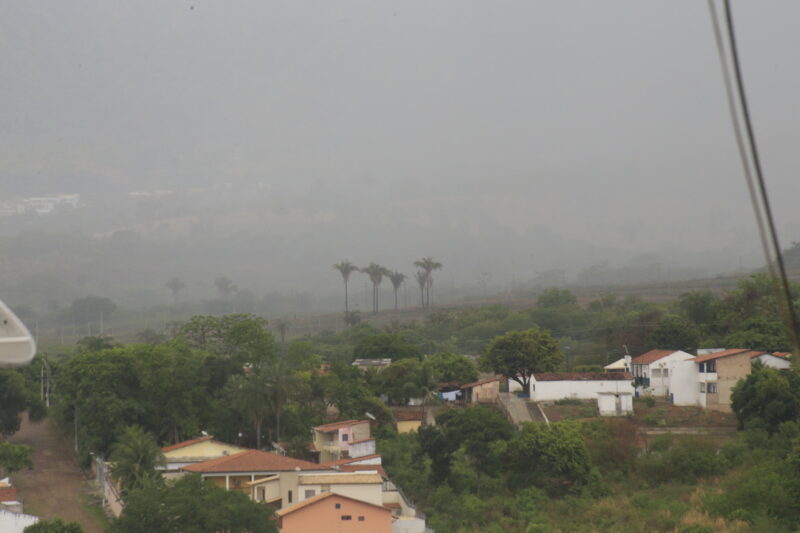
x=39 y=205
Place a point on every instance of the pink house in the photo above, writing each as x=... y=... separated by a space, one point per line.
x=349 y=438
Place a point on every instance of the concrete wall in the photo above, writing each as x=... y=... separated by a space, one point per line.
x=361 y=449
x=17 y=522
x=685 y=383
x=729 y=371
x=365 y=492
x=204 y=450
x=407 y=426
x=581 y=390
x=486 y=393
x=615 y=404
x=407 y=524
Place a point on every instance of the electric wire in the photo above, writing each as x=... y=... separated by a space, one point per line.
x=764 y=211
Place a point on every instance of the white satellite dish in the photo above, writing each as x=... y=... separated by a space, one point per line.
x=17 y=346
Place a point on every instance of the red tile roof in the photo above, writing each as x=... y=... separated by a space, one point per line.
x=784 y=355
x=185 y=443
x=325 y=428
x=723 y=353
x=478 y=383
x=406 y=416
x=251 y=461
x=651 y=356
x=320 y=497
x=361 y=468
x=8 y=494
x=583 y=376
x=348 y=460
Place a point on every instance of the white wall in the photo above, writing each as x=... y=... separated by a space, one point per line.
x=15 y=522
x=773 y=361
x=607 y=404
x=581 y=390
x=360 y=449
x=685 y=383
x=408 y=525
x=660 y=385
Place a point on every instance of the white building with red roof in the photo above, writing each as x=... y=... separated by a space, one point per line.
x=653 y=370
x=708 y=379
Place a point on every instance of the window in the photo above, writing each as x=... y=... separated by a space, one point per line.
x=666 y=372
x=656 y=373
x=702 y=368
x=338 y=505
x=345 y=437
x=346 y=517
x=360 y=518
x=289 y=496
x=310 y=493
x=711 y=366
x=703 y=387
x=712 y=388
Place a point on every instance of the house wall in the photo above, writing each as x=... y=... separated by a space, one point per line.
x=684 y=384
x=360 y=431
x=408 y=524
x=607 y=404
x=486 y=393
x=204 y=450
x=661 y=372
x=323 y=517
x=407 y=426
x=362 y=448
x=365 y=492
x=581 y=390
x=269 y=490
x=729 y=371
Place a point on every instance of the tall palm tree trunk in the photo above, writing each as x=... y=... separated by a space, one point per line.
x=346 y=310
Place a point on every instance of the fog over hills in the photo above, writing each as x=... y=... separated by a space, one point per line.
x=269 y=140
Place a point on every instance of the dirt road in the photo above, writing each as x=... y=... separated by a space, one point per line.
x=55 y=487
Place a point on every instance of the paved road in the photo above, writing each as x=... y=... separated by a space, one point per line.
x=55 y=487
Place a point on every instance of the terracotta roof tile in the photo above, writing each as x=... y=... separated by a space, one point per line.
x=480 y=382
x=723 y=353
x=651 y=356
x=583 y=376
x=320 y=497
x=8 y=494
x=185 y=443
x=251 y=461
x=333 y=426
x=348 y=460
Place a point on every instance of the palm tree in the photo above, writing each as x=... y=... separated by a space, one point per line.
x=397 y=280
x=225 y=287
x=134 y=459
x=282 y=325
x=375 y=273
x=345 y=268
x=428 y=265
x=422 y=280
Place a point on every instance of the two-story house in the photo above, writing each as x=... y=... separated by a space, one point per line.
x=708 y=379
x=340 y=440
x=652 y=371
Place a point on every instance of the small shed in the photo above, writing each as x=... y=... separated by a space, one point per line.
x=615 y=403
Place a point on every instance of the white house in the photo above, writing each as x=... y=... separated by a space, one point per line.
x=612 y=390
x=708 y=379
x=653 y=370
x=620 y=365
x=779 y=360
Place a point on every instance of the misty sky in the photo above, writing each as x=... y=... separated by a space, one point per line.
x=597 y=123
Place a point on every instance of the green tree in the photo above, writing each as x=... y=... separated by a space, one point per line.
x=555 y=297
x=56 y=525
x=91 y=309
x=14 y=457
x=760 y=333
x=191 y=505
x=391 y=345
x=406 y=379
x=250 y=396
x=422 y=281
x=699 y=307
x=674 y=332
x=243 y=338
x=553 y=457
x=175 y=285
x=345 y=268
x=225 y=287
x=397 y=279
x=14 y=399
x=376 y=273
x=519 y=354
x=766 y=397
x=135 y=458
x=449 y=367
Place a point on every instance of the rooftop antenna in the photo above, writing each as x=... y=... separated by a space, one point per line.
x=17 y=346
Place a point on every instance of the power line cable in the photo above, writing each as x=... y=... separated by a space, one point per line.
x=765 y=210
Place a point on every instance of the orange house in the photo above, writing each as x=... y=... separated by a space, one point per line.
x=333 y=513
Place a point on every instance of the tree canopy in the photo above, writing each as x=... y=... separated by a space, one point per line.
x=519 y=354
